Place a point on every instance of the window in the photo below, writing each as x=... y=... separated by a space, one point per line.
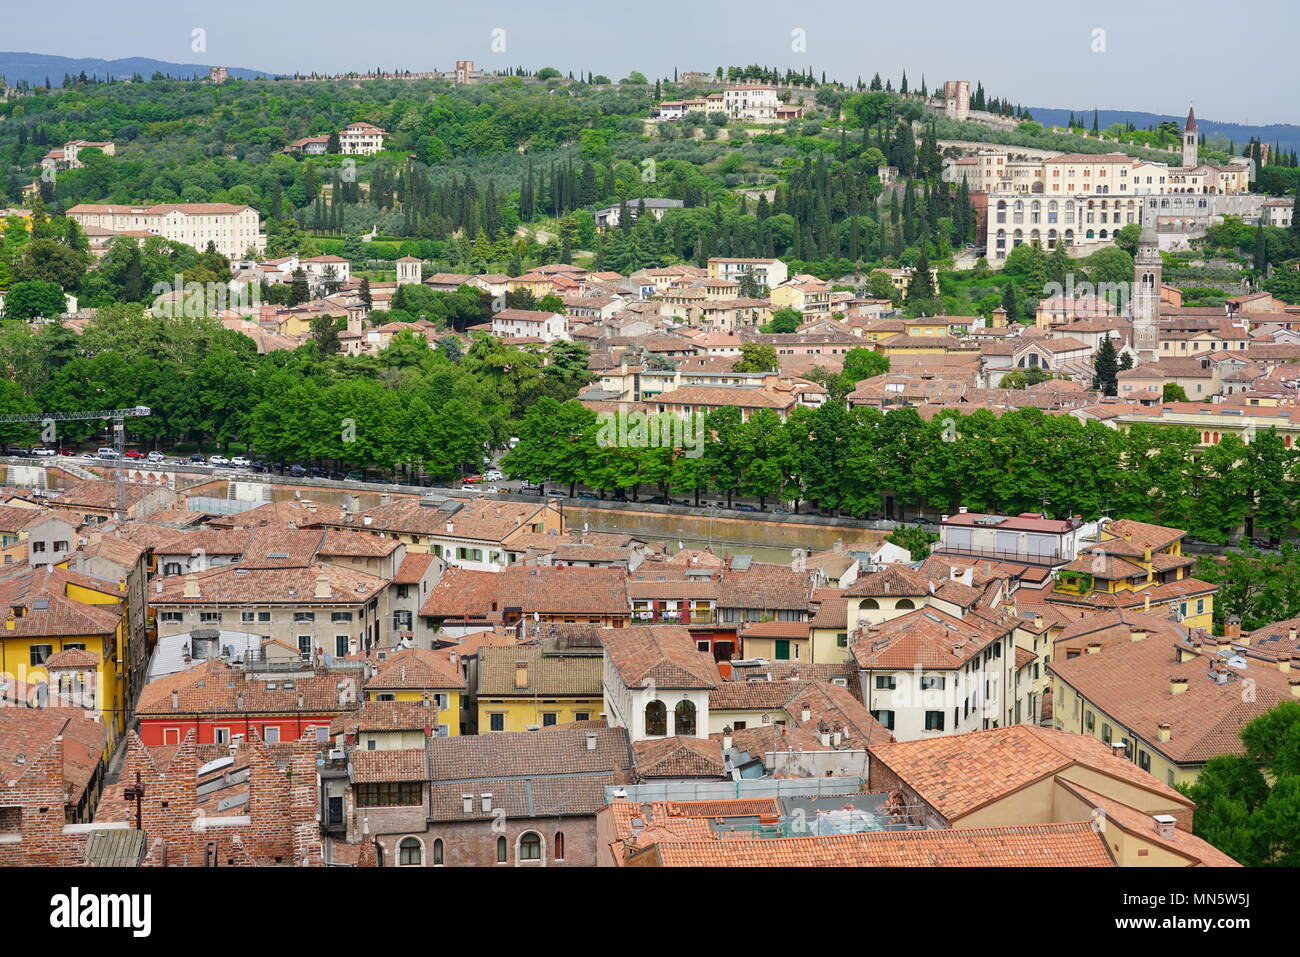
x=656 y=718
x=934 y=721
x=684 y=718
x=868 y=604
x=336 y=616
x=582 y=716
x=437 y=852
x=39 y=653
x=842 y=640
x=271 y=735
x=886 y=718
x=304 y=644
x=389 y=794
x=1144 y=761
x=782 y=649
x=559 y=845
x=1105 y=732
x=1092 y=721
x=501 y=850
x=530 y=847
x=173 y=617
x=497 y=721
x=340 y=646
x=932 y=683
x=904 y=604
x=885 y=682
x=408 y=853
x=549 y=719
x=221 y=735
x=210 y=617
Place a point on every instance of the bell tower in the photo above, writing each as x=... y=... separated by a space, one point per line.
x=1191 y=139
x=408 y=270
x=1145 y=302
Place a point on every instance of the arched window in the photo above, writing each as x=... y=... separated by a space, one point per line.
x=559 y=845
x=501 y=850
x=437 y=852
x=869 y=604
x=905 y=604
x=656 y=718
x=530 y=847
x=684 y=718
x=409 y=853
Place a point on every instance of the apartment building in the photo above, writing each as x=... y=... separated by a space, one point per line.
x=233 y=230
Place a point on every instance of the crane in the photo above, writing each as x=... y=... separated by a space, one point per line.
x=119 y=417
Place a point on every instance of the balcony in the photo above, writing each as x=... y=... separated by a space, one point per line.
x=1026 y=558
x=643 y=616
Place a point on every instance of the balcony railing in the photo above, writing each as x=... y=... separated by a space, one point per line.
x=1030 y=558
x=642 y=616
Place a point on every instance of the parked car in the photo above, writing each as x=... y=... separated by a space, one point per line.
x=493 y=475
x=297 y=471
x=42 y=452
x=742 y=507
x=469 y=488
x=590 y=496
x=107 y=453
x=67 y=452
x=527 y=486
x=134 y=454
x=1263 y=544
x=198 y=459
x=260 y=466
x=16 y=450
x=218 y=460
x=473 y=478
x=240 y=462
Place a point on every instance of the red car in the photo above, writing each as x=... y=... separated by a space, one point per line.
x=133 y=454
x=473 y=478
x=66 y=452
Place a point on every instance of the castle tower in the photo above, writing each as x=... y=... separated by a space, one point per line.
x=408 y=270
x=1145 y=302
x=1190 y=139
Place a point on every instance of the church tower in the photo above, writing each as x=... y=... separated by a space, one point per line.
x=1145 y=302
x=408 y=270
x=1190 y=139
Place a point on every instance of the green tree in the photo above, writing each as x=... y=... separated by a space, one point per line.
x=756 y=358
x=34 y=300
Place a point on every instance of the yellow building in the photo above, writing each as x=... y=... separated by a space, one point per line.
x=536 y=686
x=776 y=641
x=828 y=633
x=1168 y=716
x=416 y=675
x=1139 y=566
x=65 y=638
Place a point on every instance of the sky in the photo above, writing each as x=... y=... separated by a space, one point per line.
x=1233 y=61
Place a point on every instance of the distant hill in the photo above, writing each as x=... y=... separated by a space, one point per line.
x=1285 y=135
x=36 y=67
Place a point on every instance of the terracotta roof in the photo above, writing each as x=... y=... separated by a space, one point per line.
x=463 y=593
x=26 y=734
x=891 y=581
x=662 y=656
x=217 y=688
x=1131 y=683
x=960 y=773
x=549 y=675
x=413 y=568
x=238 y=585
x=415 y=668
x=563 y=588
x=926 y=638
x=1073 y=844
x=679 y=757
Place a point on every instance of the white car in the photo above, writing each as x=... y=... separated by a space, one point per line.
x=240 y=462
x=218 y=460
x=155 y=456
x=43 y=453
x=492 y=475
x=107 y=453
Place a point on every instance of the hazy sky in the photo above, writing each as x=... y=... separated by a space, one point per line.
x=1235 y=61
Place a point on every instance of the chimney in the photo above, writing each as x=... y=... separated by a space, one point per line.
x=1177 y=684
x=302 y=701
x=726 y=738
x=176 y=700
x=1038 y=620
x=591 y=740
x=323 y=589
x=1165 y=732
x=1291 y=634
x=239 y=701
x=1165 y=824
x=1224 y=644
x=1094 y=647
x=1136 y=634
x=1284 y=664
x=191 y=587
x=1232 y=628
x=1146 y=604
x=806 y=714
x=521 y=674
